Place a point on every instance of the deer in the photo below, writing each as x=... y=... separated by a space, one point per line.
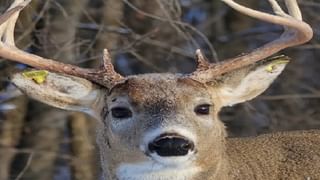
x=161 y=126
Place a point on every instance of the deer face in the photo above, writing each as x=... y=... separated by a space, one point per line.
x=161 y=120
x=154 y=123
x=162 y=117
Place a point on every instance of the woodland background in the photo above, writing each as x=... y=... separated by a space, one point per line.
x=38 y=142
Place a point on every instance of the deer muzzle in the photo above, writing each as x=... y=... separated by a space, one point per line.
x=171 y=145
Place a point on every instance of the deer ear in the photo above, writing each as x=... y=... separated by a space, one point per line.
x=248 y=82
x=58 y=90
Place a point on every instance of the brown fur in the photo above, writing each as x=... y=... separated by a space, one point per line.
x=159 y=101
x=167 y=101
x=286 y=155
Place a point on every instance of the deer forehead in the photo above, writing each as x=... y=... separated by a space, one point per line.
x=160 y=90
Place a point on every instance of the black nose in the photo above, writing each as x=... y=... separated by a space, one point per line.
x=171 y=145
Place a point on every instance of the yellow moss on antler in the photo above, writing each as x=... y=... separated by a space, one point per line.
x=274 y=63
x=38 y=76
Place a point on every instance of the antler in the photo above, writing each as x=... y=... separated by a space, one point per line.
x=106 y=76
x=296 y=32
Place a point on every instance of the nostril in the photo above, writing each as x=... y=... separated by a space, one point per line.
x=153 y=146
x=171 y=146
x=188 y=146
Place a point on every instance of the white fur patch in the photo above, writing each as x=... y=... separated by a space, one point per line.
x=161 y=168
x=174 y=160
x=155 y=171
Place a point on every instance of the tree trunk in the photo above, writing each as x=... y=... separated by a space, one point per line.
x=12 y=121
x=112 y=17
x=11 y=124
x=84 y=163
x=48 y=127
x=43 y=137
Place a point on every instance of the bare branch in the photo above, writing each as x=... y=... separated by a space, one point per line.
x=25 y=167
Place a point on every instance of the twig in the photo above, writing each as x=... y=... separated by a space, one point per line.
x=187 y=36
x=34 y=23
x=206 y=40
x=25 y=167
x=137 y=39
x=145 y=61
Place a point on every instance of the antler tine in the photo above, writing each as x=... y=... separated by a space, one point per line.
x=9 y=51
x=109 y=72
x=293 y=9
x=7 y=21
x=296 y=32
x=202 y=62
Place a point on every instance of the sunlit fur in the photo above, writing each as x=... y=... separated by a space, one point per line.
x=165 y=103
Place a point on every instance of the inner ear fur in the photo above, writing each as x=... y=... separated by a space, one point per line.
x=62 y=91
x=248 y=82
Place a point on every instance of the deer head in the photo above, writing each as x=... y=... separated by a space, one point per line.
x=158 y=125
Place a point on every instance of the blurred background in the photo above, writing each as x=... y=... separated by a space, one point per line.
x=38 y=142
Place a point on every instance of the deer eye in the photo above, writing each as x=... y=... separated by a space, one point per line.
x=202 y=109
x=121 y=112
